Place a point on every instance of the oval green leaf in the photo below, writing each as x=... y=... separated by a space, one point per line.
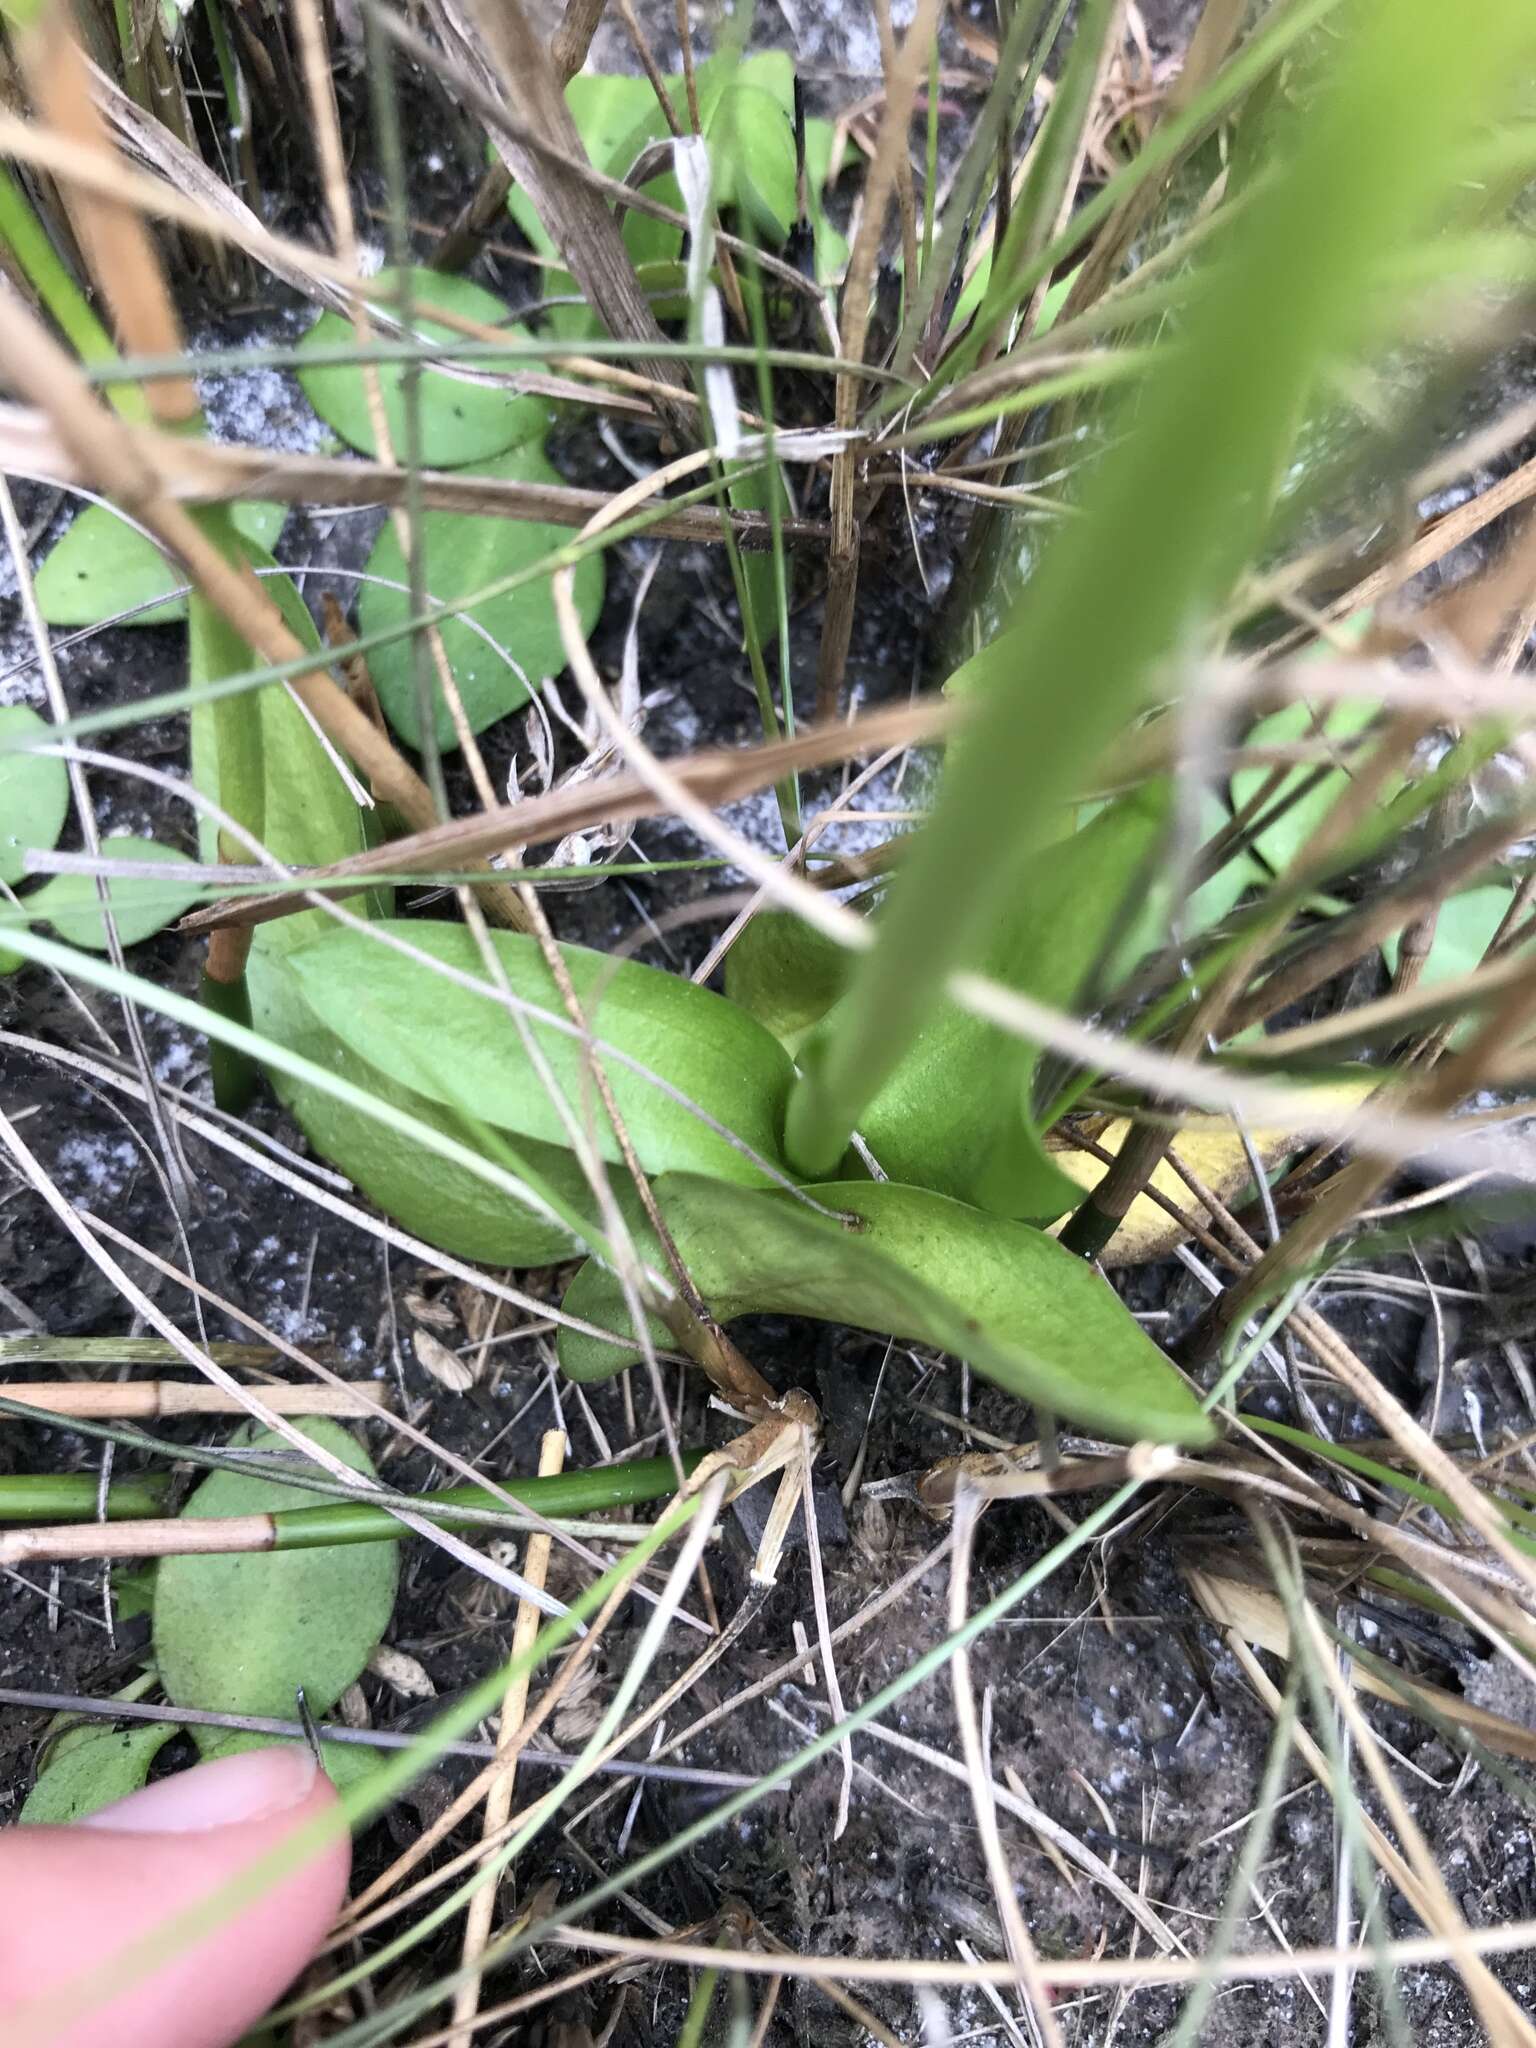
x=500 y=650
x=435 y=1199
x=461 y=421
x=922 y=1268
x=34 y=793
x=458 y=1047
x=102 y=567
x=140 y=907
x=239 y=1634
x=104 y=1765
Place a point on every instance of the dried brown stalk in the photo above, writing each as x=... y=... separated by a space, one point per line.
x=153 y=1400
x=717 y=777
x=207 y=472
x=501 y=48
x=113 y=238
x=568 y=52
x=907 y=65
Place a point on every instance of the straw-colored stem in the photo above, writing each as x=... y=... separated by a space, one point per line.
x=560 y=1494
x=152 y=1400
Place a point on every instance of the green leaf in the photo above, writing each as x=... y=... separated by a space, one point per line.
x=308 y=816
x=461 y=421
x=458 y=1047
x=752 y=149
x=140 y=907
x=607 y=108
x=437 y=1200
x=922 y=1268
x=462 y=553
x=133 y=1590
x=1292 y=833
x=1180 y=502
x=1201 y=908
x=946 y=1118
x=786 y=974
x=34 y=793
x=239 y=1634
x=105 y=1765
x=102 y=567
x=831 y=243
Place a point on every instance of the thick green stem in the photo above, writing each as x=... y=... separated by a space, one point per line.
x=31 y=1499
x=72 y=1497
x=566 y=1493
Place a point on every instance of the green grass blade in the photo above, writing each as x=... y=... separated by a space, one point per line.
x=1174 y=512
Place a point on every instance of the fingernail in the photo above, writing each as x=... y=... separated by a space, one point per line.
x=234 y=1790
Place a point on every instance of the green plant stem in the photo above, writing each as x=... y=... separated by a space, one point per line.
x=1386 y=1475
x=931 y=157
x=72 y=1497
x=565 y=1494
x=135 y=72
x=233 y=1074
x=40 y=263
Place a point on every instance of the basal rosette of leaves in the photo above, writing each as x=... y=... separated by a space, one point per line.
x=951 y=1251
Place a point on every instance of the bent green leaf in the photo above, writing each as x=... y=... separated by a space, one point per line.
x=447 y=1205
x=499 y=651
x=920 y=1267
x=462 y=418
x=659 y=1036
x=786 y=974
x=308 y=816
x=240 y=1634
x=34 y=793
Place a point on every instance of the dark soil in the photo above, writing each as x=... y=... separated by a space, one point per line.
x=1106 y=1682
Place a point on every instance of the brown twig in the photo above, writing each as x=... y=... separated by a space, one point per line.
x=500 y=45
x=902 y=76
x=462 y=241
x=716 y=777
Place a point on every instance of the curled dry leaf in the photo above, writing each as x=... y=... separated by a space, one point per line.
x=434 y=1357
x=436 y=1314
x=405 y=1673
x=1257 y=1614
